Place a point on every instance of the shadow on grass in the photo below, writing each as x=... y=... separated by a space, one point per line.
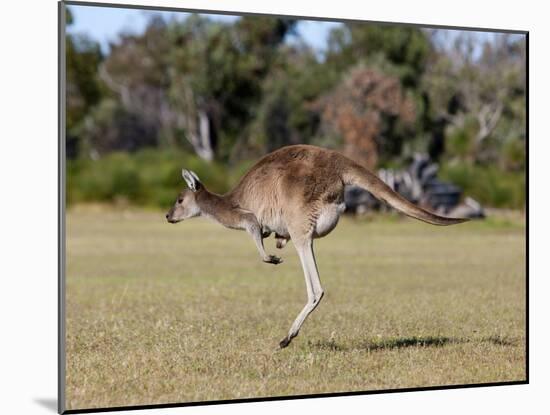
x=404 y=342
x=501 y=341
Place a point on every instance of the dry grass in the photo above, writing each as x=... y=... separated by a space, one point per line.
x=158 y=313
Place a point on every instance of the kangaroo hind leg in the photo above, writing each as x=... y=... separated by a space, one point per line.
x=313 y=286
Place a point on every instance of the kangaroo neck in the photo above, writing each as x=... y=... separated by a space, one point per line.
x=212 y=205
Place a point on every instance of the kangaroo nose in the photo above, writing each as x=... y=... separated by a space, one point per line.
x=167 y=216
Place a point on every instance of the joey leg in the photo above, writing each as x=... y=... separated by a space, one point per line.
x=281 y=241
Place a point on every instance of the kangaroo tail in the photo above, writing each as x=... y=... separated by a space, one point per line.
x=357 y=175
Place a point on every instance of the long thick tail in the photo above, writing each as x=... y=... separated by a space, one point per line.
x=357 y=175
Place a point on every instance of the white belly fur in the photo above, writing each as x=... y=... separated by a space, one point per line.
x=328 y=219
x=326 y=222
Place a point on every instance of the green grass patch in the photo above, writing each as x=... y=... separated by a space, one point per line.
x=160 y=313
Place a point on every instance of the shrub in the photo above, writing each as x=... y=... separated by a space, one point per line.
x=149 y=177
x=489 y=185
x=153 y=178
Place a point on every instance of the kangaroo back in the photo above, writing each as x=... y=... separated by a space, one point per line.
x=355 y=174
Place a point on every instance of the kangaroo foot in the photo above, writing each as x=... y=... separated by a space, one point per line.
x=281 y=242
x=285 y=342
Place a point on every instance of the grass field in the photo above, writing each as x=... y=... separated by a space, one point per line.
x=160 y=313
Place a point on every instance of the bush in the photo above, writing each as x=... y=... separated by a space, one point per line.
x=148 y=177
x=489 y=185
x=153 y=178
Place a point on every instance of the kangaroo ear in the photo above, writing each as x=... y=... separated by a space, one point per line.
x=191 y=179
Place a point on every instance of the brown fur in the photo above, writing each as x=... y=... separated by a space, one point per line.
x=297 y=192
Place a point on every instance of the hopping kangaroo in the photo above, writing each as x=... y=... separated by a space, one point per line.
x=296 y=192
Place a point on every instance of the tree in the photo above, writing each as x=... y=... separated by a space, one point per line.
x=137 y=75
x=218 y=75
x=475 y=91
x=407 y=49
x=366 y=109
x=284 y=115
x=196 y=80
x=401 y=53
x=83 y=57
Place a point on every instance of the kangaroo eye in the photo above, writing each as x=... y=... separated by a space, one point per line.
x=180 y=201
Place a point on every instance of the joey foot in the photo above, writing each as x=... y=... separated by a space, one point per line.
x=272 y=259
x=281 y=242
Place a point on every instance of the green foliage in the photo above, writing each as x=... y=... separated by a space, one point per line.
x=406 y=48
x=284 y=115
x=148 y=177
x=83 y=89
x=481 y=100
x=231 y=92
x=153 y=178
x=490 y=185
x=110 y=127
x=514 y=155
x=461 y=140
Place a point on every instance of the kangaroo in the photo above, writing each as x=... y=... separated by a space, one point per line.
x=296 y=192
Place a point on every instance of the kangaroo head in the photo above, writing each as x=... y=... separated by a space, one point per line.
x=186 y=204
